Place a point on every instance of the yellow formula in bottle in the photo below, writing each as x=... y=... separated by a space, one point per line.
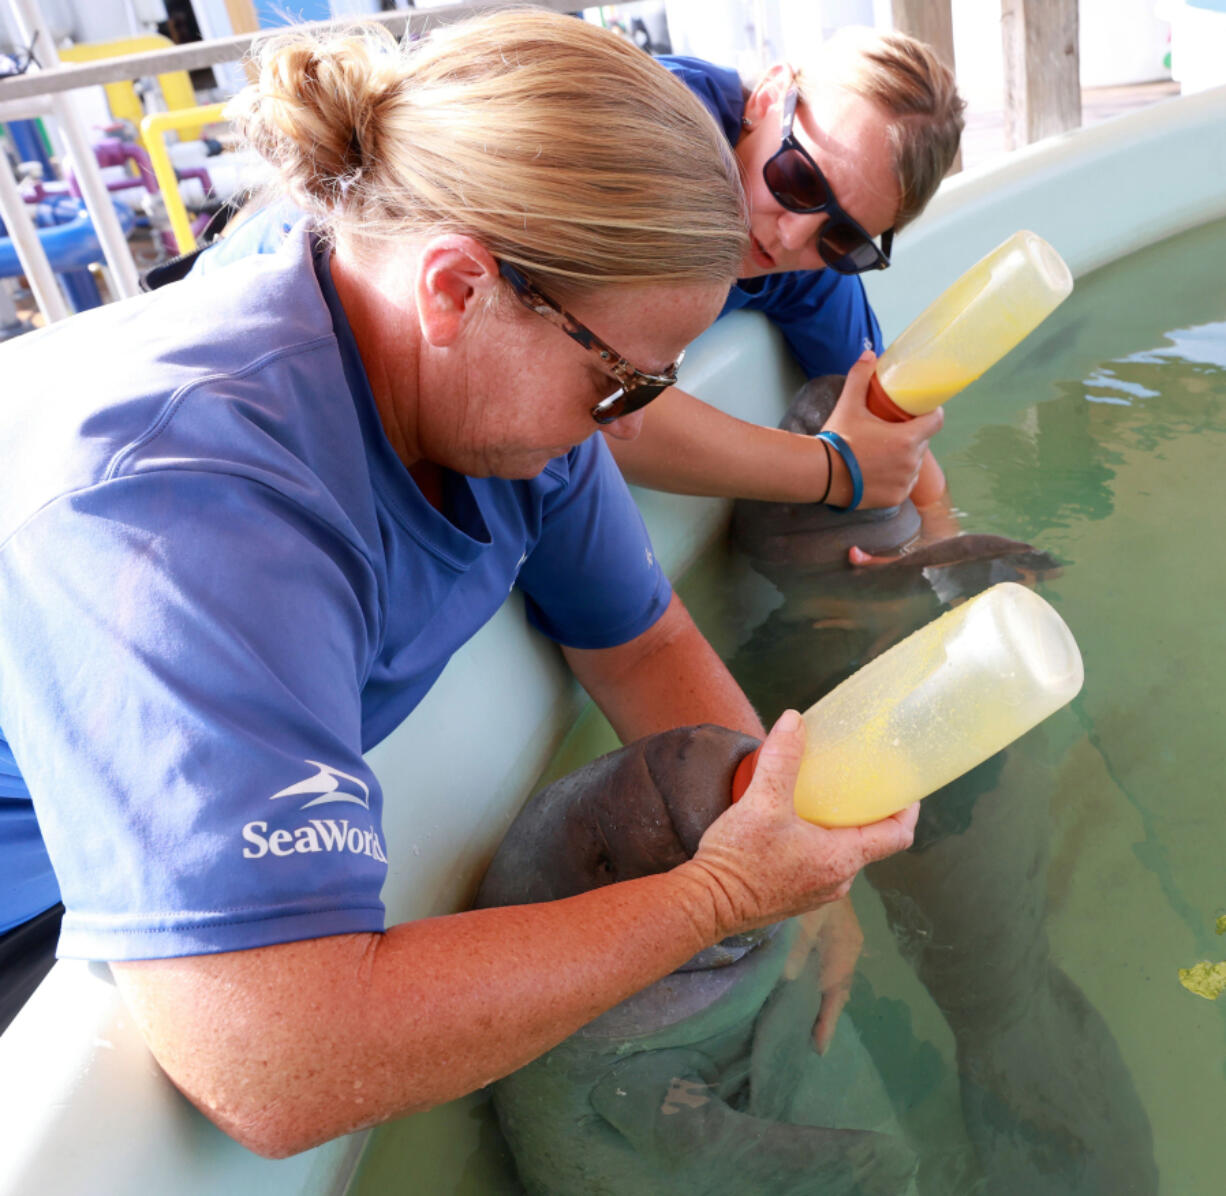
x=985 y=313
x=935 y=705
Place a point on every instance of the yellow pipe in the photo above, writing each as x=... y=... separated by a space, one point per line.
x=153 y=131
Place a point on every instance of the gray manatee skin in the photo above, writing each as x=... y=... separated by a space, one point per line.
x=784 y=540
x=706 y=1081
x=635 y=812
x=811 y=534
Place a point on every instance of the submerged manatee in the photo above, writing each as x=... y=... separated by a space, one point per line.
x=784 y=540
x=1048 y=1103
x=706 y=1081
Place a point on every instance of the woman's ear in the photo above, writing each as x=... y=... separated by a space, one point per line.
x=455 y=277
x=769 y=90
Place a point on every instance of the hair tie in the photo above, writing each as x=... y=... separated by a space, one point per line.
x=843 y=449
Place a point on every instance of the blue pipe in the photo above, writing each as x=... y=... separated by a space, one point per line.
x=81 y=289
x=71 y=245
x=29 y=145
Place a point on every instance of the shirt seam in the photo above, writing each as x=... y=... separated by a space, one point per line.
x=171 y=407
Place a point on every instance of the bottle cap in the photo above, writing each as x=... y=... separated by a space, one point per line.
x=884 y=407
x=744 y=774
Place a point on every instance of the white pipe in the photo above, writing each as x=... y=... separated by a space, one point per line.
x=30 y=252
x=9 y=320
x=110 y=234
x=24 y=109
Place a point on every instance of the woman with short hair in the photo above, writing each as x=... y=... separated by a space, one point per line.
x=840 y=150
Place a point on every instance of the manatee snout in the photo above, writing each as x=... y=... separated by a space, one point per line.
x=635 y=812
x=782 y=537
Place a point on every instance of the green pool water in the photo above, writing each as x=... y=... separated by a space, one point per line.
x=1092 y=854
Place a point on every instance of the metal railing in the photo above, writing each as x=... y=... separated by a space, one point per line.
x=44 y=91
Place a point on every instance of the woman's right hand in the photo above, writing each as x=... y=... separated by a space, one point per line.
x=760 y=862
x=889 y=454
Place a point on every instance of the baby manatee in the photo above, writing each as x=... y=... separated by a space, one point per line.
x=786 y=540
x=706 y=1081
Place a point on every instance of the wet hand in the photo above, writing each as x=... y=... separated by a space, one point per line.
x=858 y=558
x=839 y=940
x=760 y=862
x=889 y=454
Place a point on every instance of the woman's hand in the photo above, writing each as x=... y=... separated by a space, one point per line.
x=760 y=862
x=833 y=933
x=839 y=939
x=889 y=454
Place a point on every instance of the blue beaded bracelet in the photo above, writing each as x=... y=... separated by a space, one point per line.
x=843 y=449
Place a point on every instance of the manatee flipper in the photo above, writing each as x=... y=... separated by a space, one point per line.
x=668 y=1106
x=791 y=1082
x=959 y=567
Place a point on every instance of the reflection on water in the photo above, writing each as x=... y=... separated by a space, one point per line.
x=1016 y=1021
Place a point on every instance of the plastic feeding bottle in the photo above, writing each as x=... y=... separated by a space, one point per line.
x=946 y=698
x=996 y=304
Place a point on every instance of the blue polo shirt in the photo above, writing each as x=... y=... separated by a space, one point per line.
x=221 y=587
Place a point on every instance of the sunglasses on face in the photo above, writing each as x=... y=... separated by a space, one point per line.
x=635 y=389
x=797 y=182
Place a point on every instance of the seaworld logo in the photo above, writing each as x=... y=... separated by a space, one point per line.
x=320 y=834
x=327 y=785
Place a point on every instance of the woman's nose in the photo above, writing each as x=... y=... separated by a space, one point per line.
x=798 y=229
x=627 y=427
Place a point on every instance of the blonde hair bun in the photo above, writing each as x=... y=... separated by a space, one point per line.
x=557 y=144
x=314 y=115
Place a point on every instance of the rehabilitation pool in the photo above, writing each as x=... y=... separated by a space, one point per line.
x=1091 y=853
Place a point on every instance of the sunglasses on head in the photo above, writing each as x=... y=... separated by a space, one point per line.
x=797 y=182
x=635 y=390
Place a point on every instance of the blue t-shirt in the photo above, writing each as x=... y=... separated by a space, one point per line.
x=824 y=316
x=221 y=587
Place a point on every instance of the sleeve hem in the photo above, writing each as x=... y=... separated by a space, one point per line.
x=82 y=937
x=607 y=637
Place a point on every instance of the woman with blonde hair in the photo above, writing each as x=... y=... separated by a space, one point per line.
x=873 y=122
x=256 y=512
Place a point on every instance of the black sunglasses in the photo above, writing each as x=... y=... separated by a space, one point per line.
x=637 y=388
x=797 y=182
